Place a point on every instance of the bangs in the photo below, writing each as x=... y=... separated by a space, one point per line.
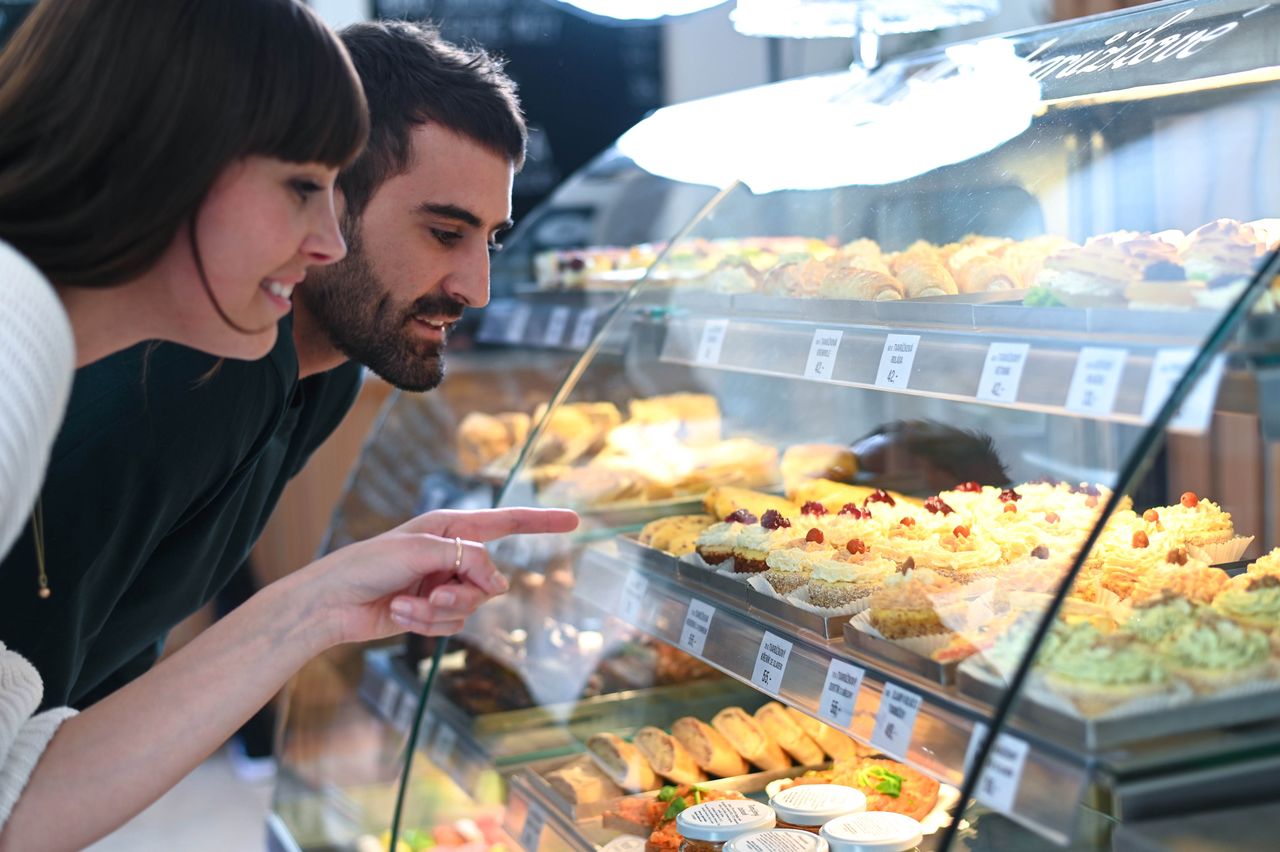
x=307 y=101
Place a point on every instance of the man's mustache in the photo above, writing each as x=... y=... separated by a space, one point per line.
x=443 y=307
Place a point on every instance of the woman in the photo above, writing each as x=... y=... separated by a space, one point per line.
x=166 y=172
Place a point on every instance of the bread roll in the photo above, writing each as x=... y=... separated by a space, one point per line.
x=750 y=739
x=922 y=275
x=778 y=724
x=481 y=439
x=834 y=743
x=708 y=748
x=667 y=757
x=622 y=763
x=724 y=500
x=817 y=461
x=581 y=782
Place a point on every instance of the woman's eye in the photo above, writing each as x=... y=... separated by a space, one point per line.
x=305 y=188
x=446 y=238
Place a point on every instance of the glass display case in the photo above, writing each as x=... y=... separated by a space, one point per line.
x=934 y=457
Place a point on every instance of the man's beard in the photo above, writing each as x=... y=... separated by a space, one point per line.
x=357 y=314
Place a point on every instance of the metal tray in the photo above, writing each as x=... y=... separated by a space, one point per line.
x=652 y=559
x=725 y=588
x=926 y=667
x=1103 y=734
x=828 y=627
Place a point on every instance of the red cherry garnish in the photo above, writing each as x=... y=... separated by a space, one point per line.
x=1011 y=507
x=960 y=531
x=1009 y=495
x=813 y=507
x=1040 y=552
x=1190 y=500
x=936 y=505
x=908 y=522
x=879 y=496
x=815 y=535
x=1052 y=517
x=741 y=516
x=1151 y=516
x=773 y=520
x=1140 y=539
x=851 y=509
x=968 y=488
x=856 y=546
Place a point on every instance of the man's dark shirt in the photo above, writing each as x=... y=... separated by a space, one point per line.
x=160 y=482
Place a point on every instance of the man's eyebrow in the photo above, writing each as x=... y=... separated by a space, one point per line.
x=451 y=211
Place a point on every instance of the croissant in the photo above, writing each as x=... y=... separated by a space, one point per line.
x=986 y=273
x=852 y=283
x=921 y=275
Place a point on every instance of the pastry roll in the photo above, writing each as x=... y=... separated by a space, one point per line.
x=784 y=730
x=668 y=757
x=708 y=748
x=582 y=782
x=750 y=739
x=800 y=279
x=848 y=282
x=984 y=273
x=922 y=275
x=834 y=743
x=622 y=762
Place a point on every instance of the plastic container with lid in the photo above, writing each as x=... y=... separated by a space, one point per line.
x=708 y=826
x=810 y=806
x=873 y=831
x=777 y=840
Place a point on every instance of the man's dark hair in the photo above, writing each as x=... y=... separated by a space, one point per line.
x=412 y=76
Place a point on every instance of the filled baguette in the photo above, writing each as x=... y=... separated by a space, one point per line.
x=622 y=762
x=750 y=739
x=668 y=757
x=709 y=749
x=778 y=724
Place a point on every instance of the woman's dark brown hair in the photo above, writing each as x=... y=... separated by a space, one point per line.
x=116 y=116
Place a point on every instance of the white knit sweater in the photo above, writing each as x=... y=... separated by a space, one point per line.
x=37 y=359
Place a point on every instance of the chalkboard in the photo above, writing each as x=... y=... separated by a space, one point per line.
x=582 y=82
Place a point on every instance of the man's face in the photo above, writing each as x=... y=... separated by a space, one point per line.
x=416 y=258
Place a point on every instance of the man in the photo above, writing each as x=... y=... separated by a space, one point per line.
x=170 y=463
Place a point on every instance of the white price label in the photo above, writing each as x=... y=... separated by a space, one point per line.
x=840 y=693
x=442 y=747
x=404 y=716
x=583 y=328
x=632 y=597
x=1001 y=777
x=1002 y=372
x=1196 y=411
x=1096 y=380
x=771 y=663
x=556 y=325
x=896 y=360
x=822 y=354
x=895 y=720
x=531 y=832
x=387 y=699
x=518 y=322
x=697 y=624
x=712 y=341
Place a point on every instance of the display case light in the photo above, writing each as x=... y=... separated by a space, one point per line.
x=852 y=18
x=637 y=10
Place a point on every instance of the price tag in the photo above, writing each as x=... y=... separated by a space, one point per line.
x=1096 y=380
x=531 y=832
x=518 y=322
x=771 y=663
x=583 y=328
x=442 y=747
x=387 y=699
x=1002 y=371
x=697 y=624
x=822 y=354
x=1197 y=409
x=896 y=360
x=404 y=716
x=1001 y=777
x=556 y=325
x=491 y=330
x=840 y=693
x=895 y=720
x=713 y=332
x=632 y=597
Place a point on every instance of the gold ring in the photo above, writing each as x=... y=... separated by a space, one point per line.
x=457 y=560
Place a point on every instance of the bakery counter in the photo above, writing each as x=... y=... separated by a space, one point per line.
x=901 y=713
x=565 y=321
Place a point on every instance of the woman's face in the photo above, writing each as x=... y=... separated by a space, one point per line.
x=263 y=223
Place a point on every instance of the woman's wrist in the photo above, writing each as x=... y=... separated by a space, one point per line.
x=297 y=619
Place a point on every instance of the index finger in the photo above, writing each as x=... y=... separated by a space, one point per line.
x=489 y=524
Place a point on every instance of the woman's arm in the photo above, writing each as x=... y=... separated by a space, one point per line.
x=111 y=761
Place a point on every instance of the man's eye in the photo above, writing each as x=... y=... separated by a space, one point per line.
x=446 y=238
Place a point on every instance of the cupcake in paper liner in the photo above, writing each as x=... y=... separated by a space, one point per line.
x=916 y=602
x=843 y=579
x=925 y=646
x=1099 y=673
x=1251 y=600
x=1268 y=564
x=1213 y=653
x=1205 y=528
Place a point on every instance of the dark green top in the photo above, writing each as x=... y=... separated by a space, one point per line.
x=158 y=487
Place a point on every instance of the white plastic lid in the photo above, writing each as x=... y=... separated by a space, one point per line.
x=777 y=840
x=717 y=822
x=815 y=804
x=873 y=831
